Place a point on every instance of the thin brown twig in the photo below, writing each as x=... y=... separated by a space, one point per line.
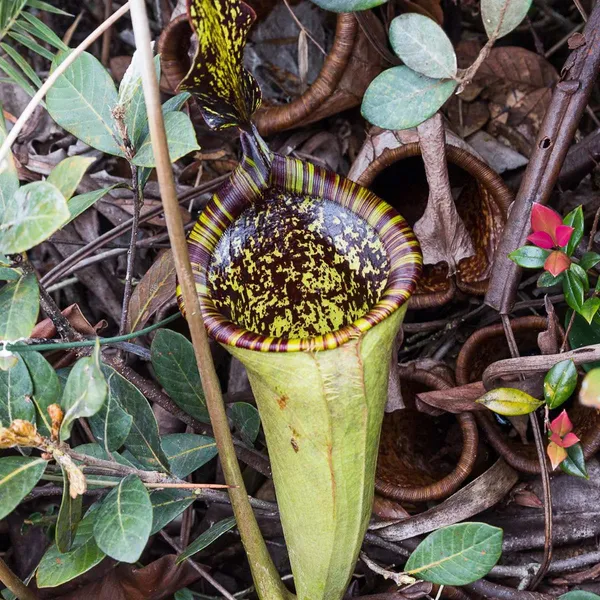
x=197 y=567
x=541 y=452
x=302 y=28
x=14 y=584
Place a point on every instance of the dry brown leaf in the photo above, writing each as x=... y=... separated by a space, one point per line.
x=157 y=581
x=518 y=84
x=155 y=289
x=46 y=329
x=440 y=231
x=467 y=118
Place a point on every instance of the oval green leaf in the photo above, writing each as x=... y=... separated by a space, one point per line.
x=67 y=174
x=46 y=388
x=69 y=516
x=502 y=16
x=575 y=219
x=246 y=421
x=81 y=102
x=187 y=452
x=509 y=402
x=574 y=463
x=560 y=382
x=124 y=521
x=579 y=595
x=19 y=307
x=57 y=568
x=35 y=212
x=85 y=392
x=400 y=98
x=342 y=6
x=529 y=257
x=573 y=289
x=181 y=140
x=206 y=538
x=423 y=46
x=456 y=555
x=167 y=505
x=175 y=366
x=16 y=389
x=18 y=476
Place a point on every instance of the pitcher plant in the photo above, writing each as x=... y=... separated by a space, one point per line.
x=304 y=276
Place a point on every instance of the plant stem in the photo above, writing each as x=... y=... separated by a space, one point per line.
x=34 y=102
x=268 y=583
x=539 y=446
x=14 y=584
x=33 y=347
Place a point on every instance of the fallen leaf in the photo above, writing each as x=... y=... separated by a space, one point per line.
x=154 y=290
x=518 y=84
x=46 y=329
x=440 y=231
x=467 y=118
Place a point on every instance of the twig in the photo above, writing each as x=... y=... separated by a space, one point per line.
x=197 y=567
x=541 y=452
x=569 y=99
x=302 y=28
x=265 y=575
x=34 y=102
x=14 y=584
x=132 y=250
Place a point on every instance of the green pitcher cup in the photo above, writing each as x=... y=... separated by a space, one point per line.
x=304 y=277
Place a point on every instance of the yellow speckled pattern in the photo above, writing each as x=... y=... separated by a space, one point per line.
x=227 y=93
x=251 y=305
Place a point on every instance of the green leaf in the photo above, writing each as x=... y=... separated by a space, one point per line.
x=42 y=31
x=509 y=402
x=582 y=275
x=96 y=451
x=19 y=306
x=206 y=538
x=502 y=16
x=9 y=178
x=80 y=203
x=18 y=476
x=23 y=37
x=167 y=505
x=23 y=65
x=15 y=75
x=342 y=6
x=15 y=394
x=559 y=383
x=131 y=98
x=589 y=394
x=184 y=594
x=574 y=464
x=9 y=11
x=246 y=420
x=456 y=555
x=35 y=212
x=423 y=46
x=56 y=568
x=574 y=219
x=67 y=174
x=111 y=424
x=175 y=366
x=579 y=595
x=546 y=279
x=181 y=139
x=81 y=102
x=400 y=98
x=124 y=521
x=85 y=392
x=187 y=452
x=583 y=334
x=7 y=274
x=47 y=7
x=46 y=388
x=69 y=517
x=529 y=257
x=573 y=290
x=589 y=260
x=143 y=440
x=590 y=308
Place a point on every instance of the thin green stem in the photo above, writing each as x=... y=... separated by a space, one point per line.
x=21 y=347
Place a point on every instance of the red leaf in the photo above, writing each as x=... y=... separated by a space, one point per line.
x=542 y=240
x=562 y=424
x=556 y=454
x=557 y=262
x=545 y=219
x=563 y=234
x=569 y=440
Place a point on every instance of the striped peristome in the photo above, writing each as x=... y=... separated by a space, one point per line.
x=303 y=187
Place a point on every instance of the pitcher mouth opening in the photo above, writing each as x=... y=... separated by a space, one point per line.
x=309 y=263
